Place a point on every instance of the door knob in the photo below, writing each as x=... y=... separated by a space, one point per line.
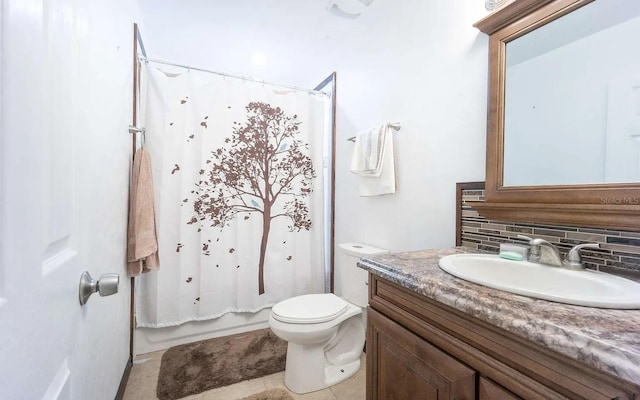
x=106 y=285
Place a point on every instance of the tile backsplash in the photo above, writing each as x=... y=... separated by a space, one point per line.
x=619 y=251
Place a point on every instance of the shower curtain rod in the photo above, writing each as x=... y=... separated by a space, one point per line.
x=244 y=78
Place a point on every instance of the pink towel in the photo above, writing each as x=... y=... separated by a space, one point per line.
x=142 y=247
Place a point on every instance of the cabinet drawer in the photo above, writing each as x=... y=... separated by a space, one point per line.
x=403 y=366
x=491 y=391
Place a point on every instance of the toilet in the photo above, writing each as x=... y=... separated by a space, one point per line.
x=325 y=332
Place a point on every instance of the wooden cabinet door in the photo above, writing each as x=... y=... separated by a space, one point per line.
x=488 y=390
x=403 y=366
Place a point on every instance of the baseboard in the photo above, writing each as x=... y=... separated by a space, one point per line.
x=124 y=380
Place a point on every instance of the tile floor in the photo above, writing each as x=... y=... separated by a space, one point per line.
x=144 y=378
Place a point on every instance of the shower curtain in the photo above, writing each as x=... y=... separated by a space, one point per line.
x=237 y=168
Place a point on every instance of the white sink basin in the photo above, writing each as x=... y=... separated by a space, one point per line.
x=584 y=288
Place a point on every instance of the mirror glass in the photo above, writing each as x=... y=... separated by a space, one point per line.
x=572 y=99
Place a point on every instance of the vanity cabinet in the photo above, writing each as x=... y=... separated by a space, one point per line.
x=491 y=391
x=404 y=365
x=418 y=348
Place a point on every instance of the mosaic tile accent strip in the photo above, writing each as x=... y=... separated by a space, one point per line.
x=619 y=251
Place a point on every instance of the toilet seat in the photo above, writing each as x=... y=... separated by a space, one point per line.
x=310 y=309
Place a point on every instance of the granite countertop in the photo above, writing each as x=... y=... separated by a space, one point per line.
x=608 y=340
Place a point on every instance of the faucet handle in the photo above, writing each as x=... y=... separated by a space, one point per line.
x=574 y=260
x=527 y=238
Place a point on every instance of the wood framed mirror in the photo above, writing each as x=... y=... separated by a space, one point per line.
x=560 y=104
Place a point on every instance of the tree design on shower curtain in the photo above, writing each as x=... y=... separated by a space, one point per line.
x=263 y=169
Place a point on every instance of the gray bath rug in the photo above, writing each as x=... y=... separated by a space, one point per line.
x=197 y=367
x=273 y=394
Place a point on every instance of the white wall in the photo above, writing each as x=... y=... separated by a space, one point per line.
x=418 y=62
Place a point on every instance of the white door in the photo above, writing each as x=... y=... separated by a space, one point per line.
x=65 y=80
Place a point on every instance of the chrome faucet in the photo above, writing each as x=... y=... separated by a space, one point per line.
x=553 y=257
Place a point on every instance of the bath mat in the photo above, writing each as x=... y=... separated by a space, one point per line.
x=273 y=394
x=197 y=367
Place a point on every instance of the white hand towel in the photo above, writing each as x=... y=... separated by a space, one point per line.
x=385 y=182
x=367 y=152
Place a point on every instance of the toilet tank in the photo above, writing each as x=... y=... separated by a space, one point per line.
x=352 y=282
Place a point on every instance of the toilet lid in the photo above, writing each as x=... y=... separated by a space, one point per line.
x=310 y=309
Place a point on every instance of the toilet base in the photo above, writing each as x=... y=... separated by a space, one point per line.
x=335 y=375
x=308 y=371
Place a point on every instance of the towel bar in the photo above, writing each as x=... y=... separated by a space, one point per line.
x=395 y=126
